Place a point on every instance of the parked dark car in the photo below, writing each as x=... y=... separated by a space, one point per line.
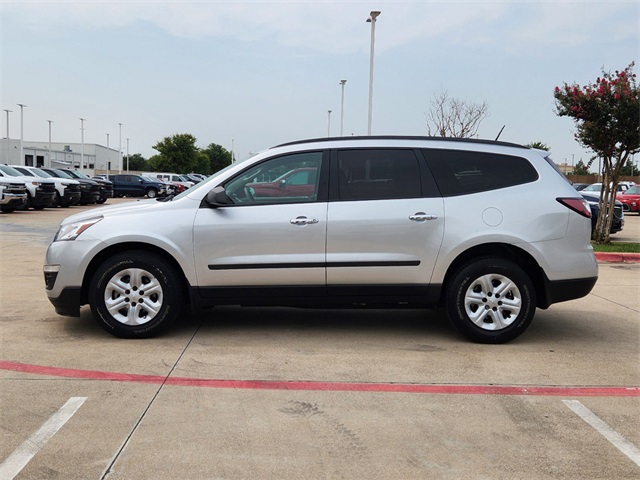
x=136 y=186
x=106 y=187
x=89 y=189
x=618 y=216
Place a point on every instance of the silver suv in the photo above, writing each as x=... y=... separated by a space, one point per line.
x=489 y=230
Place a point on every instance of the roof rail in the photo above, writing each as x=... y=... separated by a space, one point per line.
x=400 y=137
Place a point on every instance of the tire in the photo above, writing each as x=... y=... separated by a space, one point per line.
x=101 y=201
x=7 y=209
x=151 y=193
x=55 y=202
x=133 y=312
x=491 y=300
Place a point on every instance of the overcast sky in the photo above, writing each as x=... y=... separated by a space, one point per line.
x=265 y=72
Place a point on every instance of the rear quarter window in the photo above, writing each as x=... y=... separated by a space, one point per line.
x=460 y=172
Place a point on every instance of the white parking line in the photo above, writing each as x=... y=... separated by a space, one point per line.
x=25 y=452
x=617 y=440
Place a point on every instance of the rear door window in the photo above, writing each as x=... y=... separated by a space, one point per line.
x=460 y=172
x=373 y=174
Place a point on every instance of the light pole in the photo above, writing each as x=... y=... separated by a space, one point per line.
x=127 y=155
x=329 y=126
x=21 y=134
x=8 y=112
x=120 y=149
x=50 y=164
x=108 y=156
x=372 y=19
x=82 y=145
x=232 y=154
x=342 y=82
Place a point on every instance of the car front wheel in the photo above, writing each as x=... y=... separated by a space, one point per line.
x=135 y=294
x=152 y=193
x=491 y=300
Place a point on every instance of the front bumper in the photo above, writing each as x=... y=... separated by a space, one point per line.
x=68 y=302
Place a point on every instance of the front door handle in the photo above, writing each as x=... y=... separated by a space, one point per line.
x=422 y=217
x=303 y=221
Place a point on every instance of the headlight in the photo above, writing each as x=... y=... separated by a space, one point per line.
x=66 y=184
x=73 y=230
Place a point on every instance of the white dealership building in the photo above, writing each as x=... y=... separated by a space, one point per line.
x=61 y=154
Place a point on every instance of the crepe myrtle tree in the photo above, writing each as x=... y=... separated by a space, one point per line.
x=606 y=113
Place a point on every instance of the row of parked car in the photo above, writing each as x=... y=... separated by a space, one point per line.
x=627 y=200
x=151 y=184
x=23 y=187
x=628 y=194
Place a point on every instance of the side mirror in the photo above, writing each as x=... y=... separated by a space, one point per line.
x=283 y=183
x=218 y=198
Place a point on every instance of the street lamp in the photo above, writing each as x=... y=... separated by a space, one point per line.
x=329 y=126
x=108 y=156
x=127 y=155
x=342 y=82
x=82 y=145
x=50 y=164
x=120 y=149
x=372 y=19
x=8 y=112
x=21 y=134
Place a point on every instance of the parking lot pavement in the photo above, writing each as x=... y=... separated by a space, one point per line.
x=290 y=393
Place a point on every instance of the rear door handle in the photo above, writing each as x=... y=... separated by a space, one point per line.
x=422 y=217
x=303 y=221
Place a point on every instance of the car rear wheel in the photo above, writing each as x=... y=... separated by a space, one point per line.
x=135 y=294
x=491 y=300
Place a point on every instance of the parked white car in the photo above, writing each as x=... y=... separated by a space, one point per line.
x=67 y=190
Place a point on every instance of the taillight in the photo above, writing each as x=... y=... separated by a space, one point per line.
x=578 y=205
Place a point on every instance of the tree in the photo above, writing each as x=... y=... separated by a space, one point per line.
x=137 y=163
x=580 y=168
x=538 y=145
x=606 y=114
x=219 y=157
x=452 y=117
x=178 y=153
x=630 y=169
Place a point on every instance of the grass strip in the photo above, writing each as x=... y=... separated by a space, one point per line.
x=617 y=247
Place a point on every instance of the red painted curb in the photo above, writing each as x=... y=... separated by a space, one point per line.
x=613 y=257
x=299 y=385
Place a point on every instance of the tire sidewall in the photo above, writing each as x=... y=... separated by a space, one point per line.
x=171 y=291
x=460 y=284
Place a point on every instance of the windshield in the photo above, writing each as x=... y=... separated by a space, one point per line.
x=593 y=188
x=206 y=181
x=41 y=173
x=57 y=173
x=72 y=173
x=25 y=172
x=633 y=191
x=11 y=171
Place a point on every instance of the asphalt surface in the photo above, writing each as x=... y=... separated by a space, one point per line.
x=283 y=393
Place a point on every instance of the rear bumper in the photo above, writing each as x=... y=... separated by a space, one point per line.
x=563 y=290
